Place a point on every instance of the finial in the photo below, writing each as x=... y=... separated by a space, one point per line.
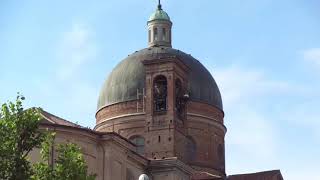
x=159 y=5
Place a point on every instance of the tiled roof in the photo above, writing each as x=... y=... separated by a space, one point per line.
x=265 y=175
x=205 y=176
x=57 y=120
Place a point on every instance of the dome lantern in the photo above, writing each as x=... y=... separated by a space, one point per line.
x=159 y=28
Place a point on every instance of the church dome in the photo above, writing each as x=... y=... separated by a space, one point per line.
x=128 y=77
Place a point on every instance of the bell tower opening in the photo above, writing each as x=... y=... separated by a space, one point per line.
x=160 y=93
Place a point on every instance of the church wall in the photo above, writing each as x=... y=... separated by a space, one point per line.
x=180 y=146
x=170 y=175
x=169 y=169
x=123 y=121
x=159 y=143
x=208 y=137
x=128 y=126
x=119 y=109
x=204 y=125
x=89 y=147
x=205 y=110
x=110 y=157
x=122 y=165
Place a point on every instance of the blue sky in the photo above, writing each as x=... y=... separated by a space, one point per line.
x=264 y=55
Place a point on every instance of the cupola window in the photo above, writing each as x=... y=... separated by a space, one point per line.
x=155 y=34
x=164 y=34
x=160 y=94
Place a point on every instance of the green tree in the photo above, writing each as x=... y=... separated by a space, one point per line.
x=69 y=165
x=19 y=134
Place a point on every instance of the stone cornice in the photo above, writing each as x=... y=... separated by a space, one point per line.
x=208 y=120
x=165 y=164
x=102 y=122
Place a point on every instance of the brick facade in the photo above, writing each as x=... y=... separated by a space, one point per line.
x=196 y=137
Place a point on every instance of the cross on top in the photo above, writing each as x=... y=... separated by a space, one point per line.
x=159 y=4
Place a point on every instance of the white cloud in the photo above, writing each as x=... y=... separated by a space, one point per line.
x=312 y=55
x=253 y=130
x=249 y=129
x=75 y=101
x=303 y=173
x=67 y=92
x=240 y=84
x=305 y=114
x=75 y=50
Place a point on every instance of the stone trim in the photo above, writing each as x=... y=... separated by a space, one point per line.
x=208 y=120
x=170 y=163
x=102 y=122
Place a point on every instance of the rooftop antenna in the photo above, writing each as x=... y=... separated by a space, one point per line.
x=159 y=5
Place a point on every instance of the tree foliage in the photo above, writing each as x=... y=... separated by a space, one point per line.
x=20 y=134
x=69 y=165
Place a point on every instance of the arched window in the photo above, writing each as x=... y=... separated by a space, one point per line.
x=155 y=34
x=139 y=142
x=191 y=148
x=160 y=93
x=164 y=34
